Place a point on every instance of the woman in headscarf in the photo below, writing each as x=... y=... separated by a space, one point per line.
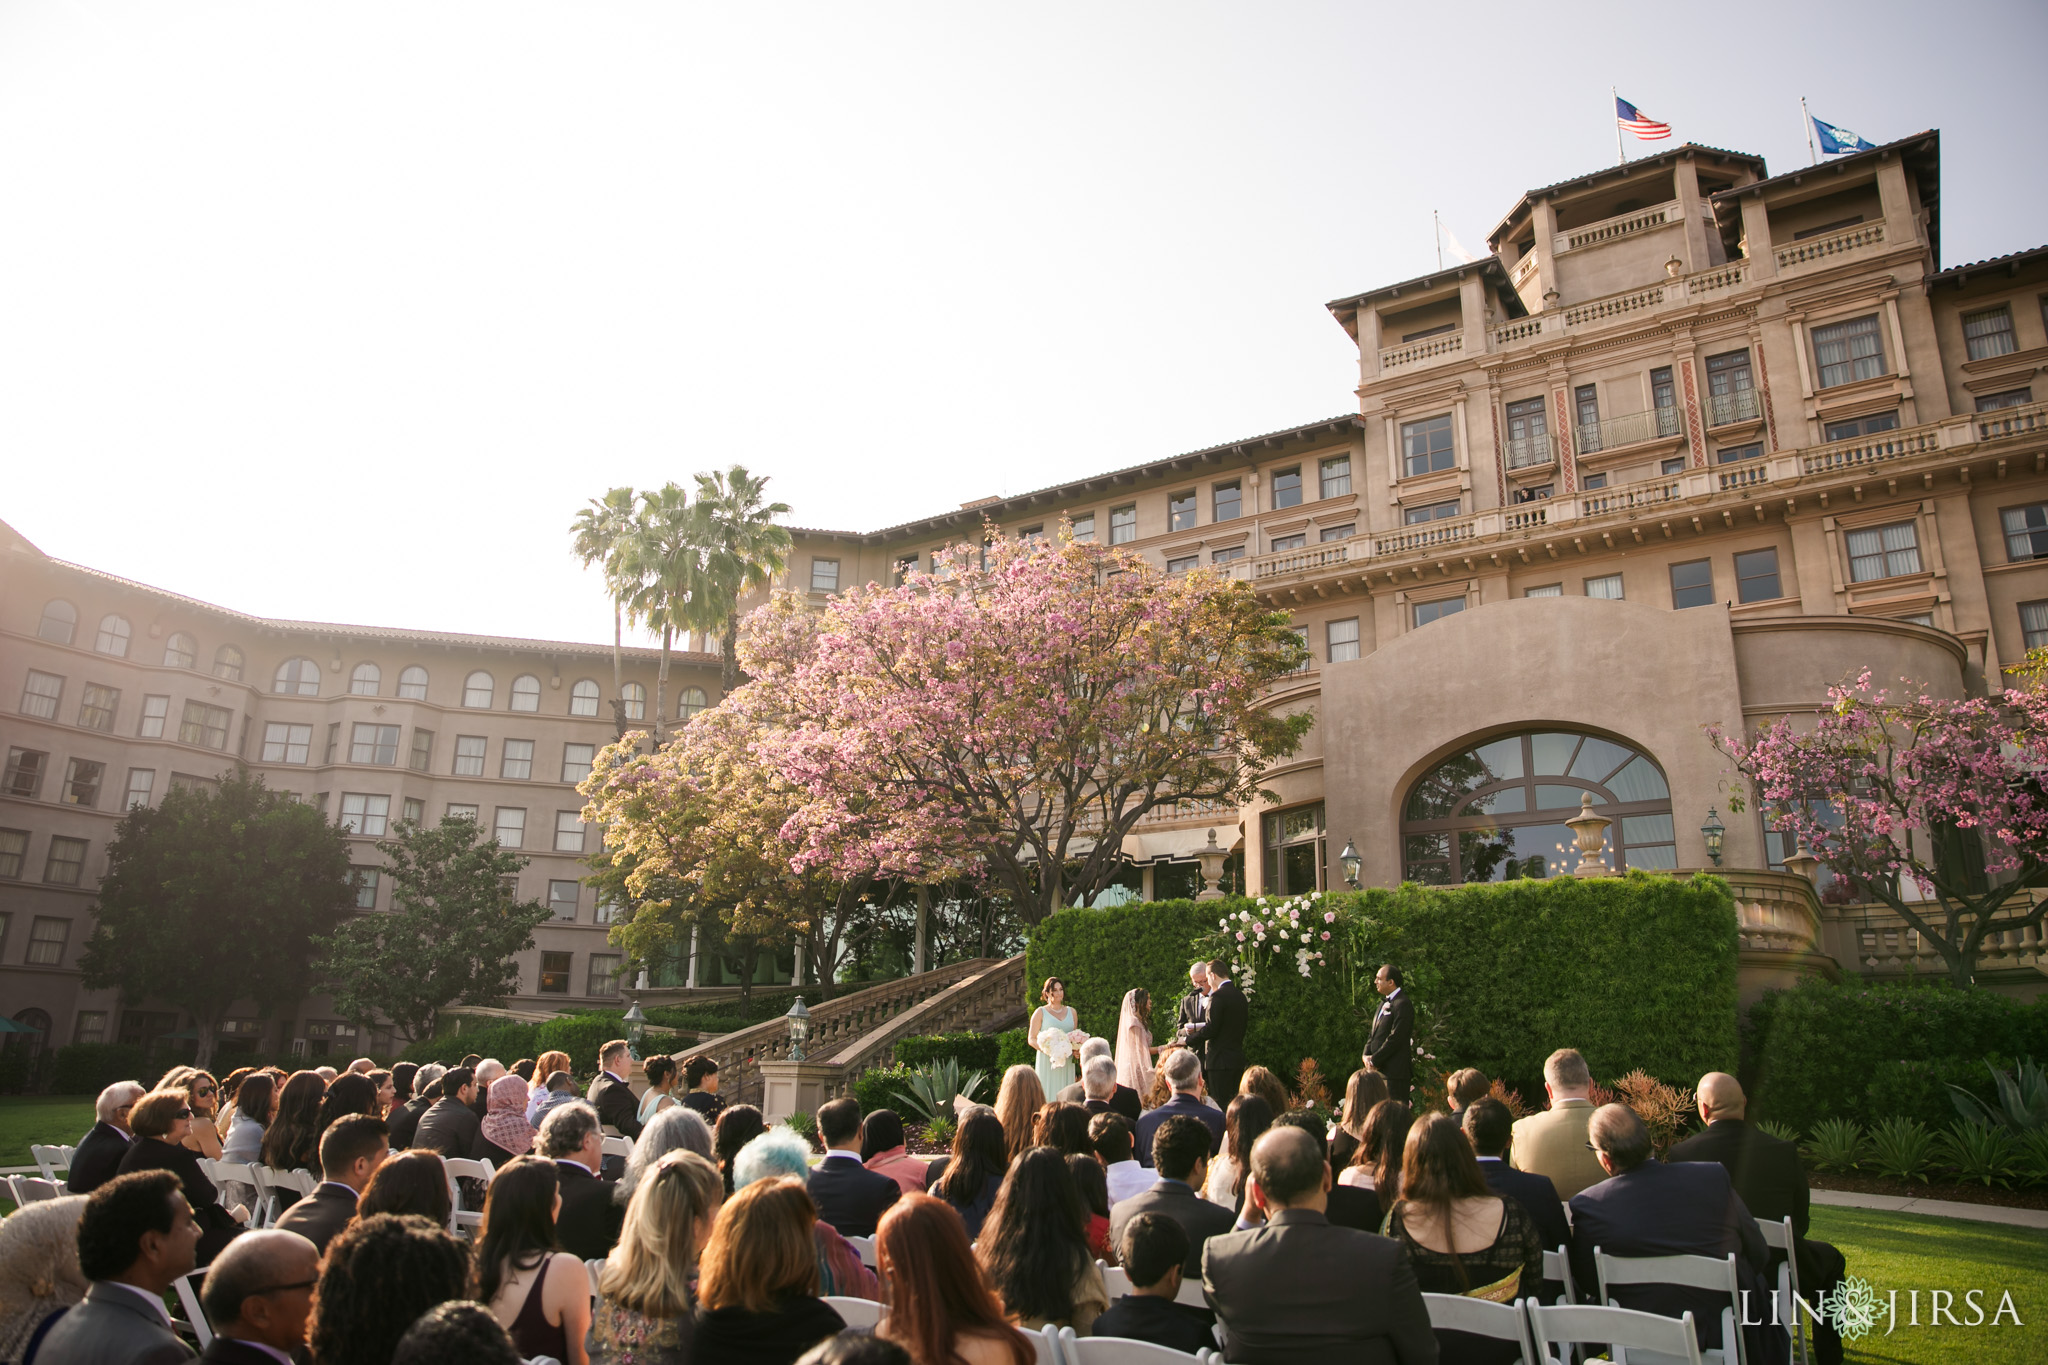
x=504 y=1132
x=1134 y=1041
x=39 y=1274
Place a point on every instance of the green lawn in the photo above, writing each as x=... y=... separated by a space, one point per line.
x=1906 y=1251
x=52 y=1119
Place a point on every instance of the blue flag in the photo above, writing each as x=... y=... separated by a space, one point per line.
x=1834 y=140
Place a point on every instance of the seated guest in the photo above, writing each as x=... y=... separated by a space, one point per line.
x=488 y=1072
x=1034 y=1248
x=1553 y=1143
x=378 y=1278
x=1349 y=1207
x=160 y=1120
x=1111 y=1137
x=257 y=1295
x=450 y=1127
x=504 y=1132
x=1465 y=1088
x=1653 y=1209
x=349 y=1094
x=587 y=1225
x=470 y=1060
x=1365 y=1089
x=1299 y=1289
x=523 y=1069
x=387 y=1091
x=1260 y=1081
x=544 y=1069
x=1154 y=1251
x=1102 y=1092
x=362 y=1066
x=700 y=1088
x=402 y=1077
x=230 y=1086
x=674 y=1129
x=1377 y=1166
x=1063 y=1127
x=1180 y=1158
x=559 y=1090
x=1767 y=1174
x=940 y=1309
x=736 y=1127
x=408 y=1183
x=292 y=1142
x=135 y=1237
x=351 y=1150
x=758 y=1290
x=327 y=1074
x=99 y=1154
x=856 y=1346
x=1077 y=1092
x=783 y=1153
x=661 y=1082
x=405 y=1120
x=609 y=1093
x=1460 y=1236
x=849 y=1196
x=1244 y=1123
x=1489 y=1128
x=1094 y=1190
x=456 y=1333
x=1183 y=1073
x=885 y=1151
x=255 y=1103
x=968 y=1180
x=643 y=1313
x=540 y=1294
x=39 y=1274
x=202 y=1094
x=1018 y=1100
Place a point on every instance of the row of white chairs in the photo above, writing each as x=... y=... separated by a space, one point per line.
x=52 y=1159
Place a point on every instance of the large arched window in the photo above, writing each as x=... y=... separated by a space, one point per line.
x=297 y=677
x=412 y=684
x=227 y=663
x=366 y=680
x=526 y=693
x=690 y=703
x=633 y=700
x=60 y=621
x=181 y=652
x=583 y=698
x=1496 y=811
x=478 y=689
x=113 y=636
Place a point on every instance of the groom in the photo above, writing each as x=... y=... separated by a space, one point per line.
x=1220 y=1036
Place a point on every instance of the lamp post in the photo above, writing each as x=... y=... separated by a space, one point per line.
x=1712 y=832
x=1350 y=859
x=636 y=1030
x=799 y=1029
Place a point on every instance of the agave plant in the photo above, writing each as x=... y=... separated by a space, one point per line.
x=929 y=1090
x=2031 y=1163
x=1836 y=1145
x=1784 y=1132
x=1902 y=1148
x=2022 y=1099
x=1978 y=1152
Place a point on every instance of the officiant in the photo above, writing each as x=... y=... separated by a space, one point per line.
x=1219 y=1038
x=1194 y=1009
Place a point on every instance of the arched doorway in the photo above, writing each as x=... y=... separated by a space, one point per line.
x=1496 y=811
x=31 y=1042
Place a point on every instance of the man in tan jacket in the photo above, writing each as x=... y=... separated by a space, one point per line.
x=1553 y=1143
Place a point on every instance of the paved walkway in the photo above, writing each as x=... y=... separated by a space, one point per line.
x=1937 y=1208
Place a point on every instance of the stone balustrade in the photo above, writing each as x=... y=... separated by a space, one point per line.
x=1829 y=245
x=1872 y=940
x=1621 y=225
x=1427 y=348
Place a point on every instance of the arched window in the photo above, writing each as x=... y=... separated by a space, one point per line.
x=526 y=693
x=297 y=678
x=181 y=652
x=690 y=703
x=1496 y=811
x=36 y=1039
x=583 y=698
x=227 y=663
x=412 y=684
x=366 y=680
x=633 y=700
x=113 y=636
x=478 y=689
x=60 y=621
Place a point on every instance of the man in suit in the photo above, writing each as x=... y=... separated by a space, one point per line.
x=1553 y=1143
x=1489 y=1127
x=1184 y=1073
x=1117 y=1099
x=1194 y=1006
x=100 y=1150
x=1113 y=1140
x=1390 y=1047
x=1772 y=1184
x=1649 y=1208
x=1180 y=1151
x=351 y=1150
x=1221 y=1033
x=451 y=1126
x=135 y=1238
x=1299 y=1289
x=849 y=1196
x=258 y=1294
x=426 y=1090
x=610 y=1093
x=588 y=1224
x=1349 y=1206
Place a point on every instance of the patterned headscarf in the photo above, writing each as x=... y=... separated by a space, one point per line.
x=505 y=1118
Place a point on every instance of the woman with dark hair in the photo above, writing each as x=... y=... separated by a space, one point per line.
x=1034 y=1248
x=230 y=1086
x=700 y=1087
x=160 y=1121
x=255 y=1104
x=387 y=1093
x=758 y=1288
x=970 y=1178
x=413 y=1182
x=523 y=1069
x=1062 y=1126
x=661 y=1080
x=380 y=1275
x=737 y=1127
x=1377 y=1166
x=1244 y=1122
x=1054 y=1016
x=885 y=1151
x=292 y=1142
x=401 y=1082
x=539 y=1292
x=1094 y=1188
x=349 y=1093
x=1366 y=1089
x=202 y=1092
x=1018 y=1101
x=940 y=1308
x=1462 y=1238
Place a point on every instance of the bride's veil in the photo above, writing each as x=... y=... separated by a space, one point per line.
x=1133 y=1046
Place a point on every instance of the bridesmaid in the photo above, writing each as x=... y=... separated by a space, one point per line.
x=1054 y=1013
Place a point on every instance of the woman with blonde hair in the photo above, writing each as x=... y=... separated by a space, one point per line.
x=759 y=1285
x=1258 y=1080
x=1017 y=1104
x=39 y=1274
x=643 y=1309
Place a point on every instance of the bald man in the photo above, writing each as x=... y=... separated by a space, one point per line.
x=257 y=1295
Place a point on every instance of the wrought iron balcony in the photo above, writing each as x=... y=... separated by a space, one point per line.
x=1739 y=406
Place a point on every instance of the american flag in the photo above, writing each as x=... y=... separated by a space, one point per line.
x=1632 y=120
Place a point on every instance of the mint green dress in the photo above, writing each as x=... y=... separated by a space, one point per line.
x=1055 y=1078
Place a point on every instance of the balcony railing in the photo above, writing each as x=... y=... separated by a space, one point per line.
x=1309 y=557
x=1628 y=497
x=1726 y=408
x=1415 y=352
x=1621 y=225
x=1525 y=451
x=1831 y=244
x=1627 y=430
x=1869 y=450
x=1613 y=306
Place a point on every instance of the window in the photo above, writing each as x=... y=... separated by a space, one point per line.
x=1586 y=402
x=1918 y=618
x=604 y=974
x=39 y=697
x=1336 y=476
x=526 y=693
x=319 y=801
x=422 y=758
x=607 y=910
x=2034 y=624
x=1535 y=492
x=297 y=677
x=374 y=744
x=477 y=690
x=568 y=831
x=13 y=851
x=205 y=725
x=1595 y=482
x=82 y=779
x=1084 y=527
x=2011 y=398
x=1692 y=584
x=286 y=743
x=1989 y=333
x=59 y=623
x=1884 y=552
x=469 y=755
x=1228 y=500
x=365 y=879
x=66 y=863
x=1607 y=586
x=113 y=636
x=1343 y=640
x=46 y=939
x=461 y=810
x=365 y=680
x=1731 y=391
x=510 y=826
x=414 y=811
x=25 y=768
x=1861 y=426
x=824 y=575
x=554 y=973
x=1308 y=656
x=1286 y=488
x=562 y=898
x=583 y=698
x=92 y=1027
x=1435 y=511
x=333 y=742
x=576 y=761
x=227 y=663
x=633 y=701
x=1528 y=434
x=1674 y=465
x=515 y=760
x=1280 y=544
x=181 y=652
x=1123 y=525
x=1180 y=511
x=412 y=684
x=141 y=786
x=2026 y=531
x=1664 y=398
x=1425 y=612
x=1426 y=446
x=1226 y=555
x=1848 y=351
x=155 y=710
x=1756 y=575
x=96 y=708
x=904 y=569
x=1735 y=454
x=1547 y=590
x=362 y=813
x=1185 y=564
x=1293 y=841
x=690 y=703
x=1330 y=533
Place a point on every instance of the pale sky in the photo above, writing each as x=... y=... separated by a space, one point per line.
x=340 y=311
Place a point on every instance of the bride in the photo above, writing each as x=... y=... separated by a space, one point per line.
x=1134 y=1041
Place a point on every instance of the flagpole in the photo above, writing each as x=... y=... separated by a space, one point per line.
x=1805 y=117
x=1437 y=221
x=1620 y=150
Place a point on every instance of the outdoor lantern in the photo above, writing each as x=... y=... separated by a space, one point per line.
x=799 y=1029
x=1349 y=857
x=1712 y=832
x=636 y=1029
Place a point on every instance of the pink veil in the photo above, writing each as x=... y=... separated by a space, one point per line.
x=1133 y=1046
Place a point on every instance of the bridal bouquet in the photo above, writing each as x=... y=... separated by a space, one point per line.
x=1057 y=1045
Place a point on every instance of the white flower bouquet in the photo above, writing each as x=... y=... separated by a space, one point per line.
x=1057 y=1045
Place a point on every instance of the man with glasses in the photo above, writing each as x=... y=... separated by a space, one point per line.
x=258 y=1294
x=100 y=1151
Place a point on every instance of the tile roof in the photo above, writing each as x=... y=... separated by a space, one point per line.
x=1959 y=273
x=1656 y=159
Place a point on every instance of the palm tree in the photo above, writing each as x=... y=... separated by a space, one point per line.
x=744 y=551
x=664 y=563
x=601 y=534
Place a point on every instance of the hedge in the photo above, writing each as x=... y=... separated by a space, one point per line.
x=1636 y=971
x=974 y=1051
x=579 y=1035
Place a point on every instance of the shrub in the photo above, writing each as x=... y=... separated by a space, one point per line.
x=88 y=1068
x=2030 y=1159
x=2022 y=1104
x=974 y=1051
x=1836 y=1145
x=939 y=1132
x=1012 y=1049
x=927 y=1091
x=1901 y=1148
x=1778 y=1130
x=807 y=1124
x=1978 y=1153
x=876 y=1088
x=1922 y=1089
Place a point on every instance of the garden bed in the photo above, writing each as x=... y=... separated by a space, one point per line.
x=1938 y=1189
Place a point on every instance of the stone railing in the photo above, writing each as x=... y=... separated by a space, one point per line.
x=1308 y=557
x=2024 y=420
x=1628 y=497
x=1775 y=912
x=1429 y=348
x=1613 y=306
x=1872 y=940
x=1743 y=405
x=1830 y=244
x=1621 y=225
x=1720 y=277
x=1747 y=474
x=1524 y=268
x=1870 y=450
x=1521 y=329
x=1525 y=516
x=1424 y=536
x=1627 y=429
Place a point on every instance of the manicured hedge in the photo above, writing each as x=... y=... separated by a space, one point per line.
x=974 y=1051
x=579 y=1035
x=1012 y=1049
x=1634 y=971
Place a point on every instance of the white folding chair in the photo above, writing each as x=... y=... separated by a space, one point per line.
x=857 y=1312
x=206 y=1166
x=1799 y=1335
x=621 y=1147
x=1116 y=1278
x=1480 y=1318
x=1118 y=1351
x=1645 y=1338
x=29 y=1188
x=1046 y=1341
x=866 y=1247
x=195 y=1313
x=459 y=1169
x=1557 y=1265
x=594 y=1268
x=1691 y=1272
x=49 y=1160
x=1191 y=1295
x=264 y=1211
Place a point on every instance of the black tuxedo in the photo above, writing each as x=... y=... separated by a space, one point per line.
x=1391 y=1047
x=1353 y=1207
x=1194 y=1010
x=97 y=1160
x=1538 y=1196
x=1301 y=1290
x=321 y=1218
x=588 y=1225
x=1222 y=1039
x=849 y=1196
x=1143 y=1317
x=228 y=1351
x=615 y=1104
x=1175 y=1199
x=1149 y=1121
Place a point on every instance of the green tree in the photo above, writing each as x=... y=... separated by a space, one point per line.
x=743 y=549
x=663 y=562
x=602 y=535
x=449 y=938
x=217 y=894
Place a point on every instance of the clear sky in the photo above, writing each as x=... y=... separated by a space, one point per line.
x=340 y=311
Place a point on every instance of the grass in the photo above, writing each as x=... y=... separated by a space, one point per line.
x=46 y=1119
x=1906 y=1251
